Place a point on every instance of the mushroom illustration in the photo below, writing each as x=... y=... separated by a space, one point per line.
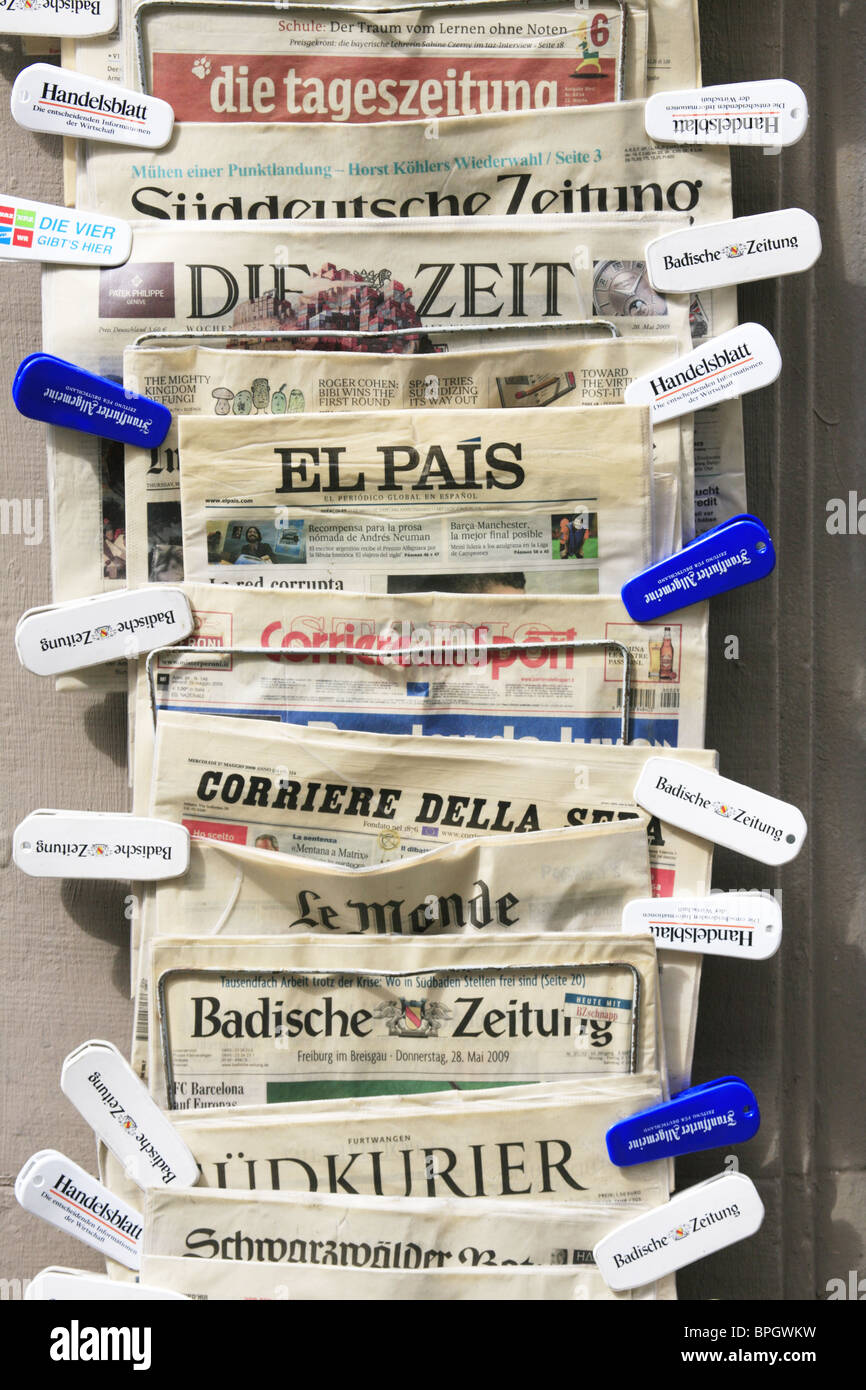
x=223 y=397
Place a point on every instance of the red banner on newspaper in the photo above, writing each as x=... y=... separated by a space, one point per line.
x=396 y=87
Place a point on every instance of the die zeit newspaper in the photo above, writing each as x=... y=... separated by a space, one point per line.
x=382 y=501
x=266 y=1020
x=311 y=1233
x=345 y=280
x=218 y=383
x=356 y=799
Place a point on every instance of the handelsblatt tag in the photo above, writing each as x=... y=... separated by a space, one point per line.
x=715 y=254
x=56 y=1284
x=741 y=360
x=692 y=1224
x=748 y=925
x=90 y=844
x=717 y=809
x=64 y=19
x=89 y=632
x=105 y=1090
x=31 y=231
x=771 y=112
x=61 y=102
x=50 y=1185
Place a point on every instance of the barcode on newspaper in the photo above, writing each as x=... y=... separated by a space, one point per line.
x=651 y=699
x=141 y=1028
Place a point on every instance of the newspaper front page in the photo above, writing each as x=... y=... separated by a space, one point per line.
x=496 y=1144
x=235 y=65
x=671 y=44
x=390 y=501
x=321 y=1231
x=554 y=162
x=256 y=1020
x=375 y=1233
x=213 y=383
x=339 y=280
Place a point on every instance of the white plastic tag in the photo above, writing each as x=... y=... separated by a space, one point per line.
x=694 y=1223
x=748 y=925
x=31 y=231
x=717 y=809
x=732 y=253
x=741 y=360
x=65 y=19
x=63 y=1194
x=105 y=1090
x=62 y=102
x=88 y=632
x=56 y=1284
x=772 y=112
x=93 y=844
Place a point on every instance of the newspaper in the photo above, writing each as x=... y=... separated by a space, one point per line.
x=256 y=1020
x=233 y=1280
x=430 y=663
x=573 y=878
x=327 y=1231
x=323 y=1232
x=672 y=43
x=391 y=501
x=251 y=782
x=468 y=1144
x=234 y=65
x=596 y=159
x=203 y=381
x=268 y=276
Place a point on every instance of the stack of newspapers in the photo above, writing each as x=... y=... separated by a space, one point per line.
x=389 y=277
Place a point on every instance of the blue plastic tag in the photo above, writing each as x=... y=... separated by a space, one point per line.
x=47 y=388
x=738 y=551
x=704 y=1117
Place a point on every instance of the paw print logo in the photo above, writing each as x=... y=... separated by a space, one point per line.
x=201 y=67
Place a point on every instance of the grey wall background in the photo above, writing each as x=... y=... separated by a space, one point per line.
x=788 y=716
